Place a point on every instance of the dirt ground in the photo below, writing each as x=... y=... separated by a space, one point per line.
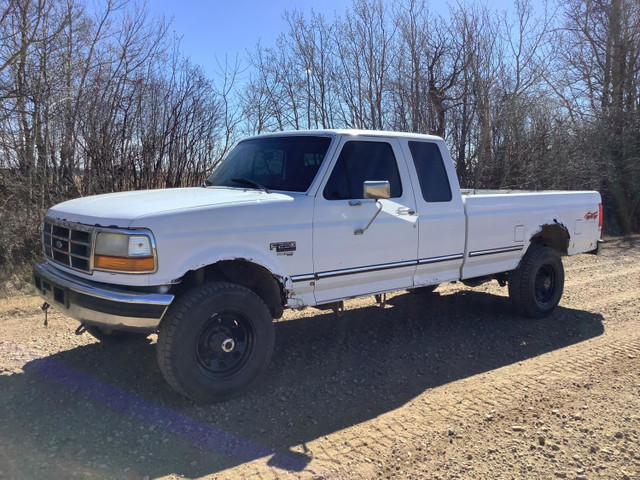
x=442 y=386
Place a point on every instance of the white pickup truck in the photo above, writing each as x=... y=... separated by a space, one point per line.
x=291 y=220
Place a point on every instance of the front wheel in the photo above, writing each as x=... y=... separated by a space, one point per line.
x=215 y=341
x=536 y=286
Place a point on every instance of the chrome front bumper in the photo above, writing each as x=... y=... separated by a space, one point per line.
x=99 y=304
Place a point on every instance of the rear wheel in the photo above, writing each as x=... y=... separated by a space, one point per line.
x=536 y=286
x=215 y=341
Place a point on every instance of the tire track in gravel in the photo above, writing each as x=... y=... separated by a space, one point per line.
x=598 y=267
x=459 y=402
x=633 y=272
x=502 y=387
x=621 y=296
x=582 y=263
x=625 y=286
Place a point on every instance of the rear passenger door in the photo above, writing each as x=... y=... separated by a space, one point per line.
x=383 y=258
x=441 y=217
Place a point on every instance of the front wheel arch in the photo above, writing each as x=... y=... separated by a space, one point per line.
x=246 y=273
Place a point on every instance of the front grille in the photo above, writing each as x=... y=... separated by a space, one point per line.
x=68 y=244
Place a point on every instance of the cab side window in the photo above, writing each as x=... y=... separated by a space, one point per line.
x=432 y=174
x=358 y=162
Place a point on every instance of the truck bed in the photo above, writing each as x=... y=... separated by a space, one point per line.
x=500 y=224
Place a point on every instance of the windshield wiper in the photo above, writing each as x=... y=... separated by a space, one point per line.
x=251 y=183
x=206 y=184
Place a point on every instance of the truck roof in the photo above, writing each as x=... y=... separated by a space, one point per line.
x=354 y=132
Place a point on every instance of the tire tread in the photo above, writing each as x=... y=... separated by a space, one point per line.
x=522 y=301
x=178 y=314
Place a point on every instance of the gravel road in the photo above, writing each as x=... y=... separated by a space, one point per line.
x=441 y=386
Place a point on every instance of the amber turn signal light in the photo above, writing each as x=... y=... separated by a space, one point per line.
x=123 y=264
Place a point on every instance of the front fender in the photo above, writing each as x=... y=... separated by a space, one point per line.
x=221 y=252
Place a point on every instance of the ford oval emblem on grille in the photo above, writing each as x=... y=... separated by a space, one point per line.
x=58 y=244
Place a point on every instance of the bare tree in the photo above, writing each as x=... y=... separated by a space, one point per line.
x=427 y=68
x=312 y=48
x=599 y=83
x=365 y=57
x=97 y=102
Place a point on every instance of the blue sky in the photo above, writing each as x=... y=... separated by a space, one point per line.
x=230 y=27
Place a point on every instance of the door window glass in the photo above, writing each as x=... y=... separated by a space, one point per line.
x=358 y=162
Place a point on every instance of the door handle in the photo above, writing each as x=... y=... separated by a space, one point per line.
x=405 y=211
x=355 y=203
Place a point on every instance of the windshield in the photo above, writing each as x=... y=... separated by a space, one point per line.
x=277 y=163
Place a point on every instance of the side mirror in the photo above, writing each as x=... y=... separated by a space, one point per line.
x=377 y=189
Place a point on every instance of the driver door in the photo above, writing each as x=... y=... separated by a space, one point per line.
x=384 y=257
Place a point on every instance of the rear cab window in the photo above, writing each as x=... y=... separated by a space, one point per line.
x=432 y=174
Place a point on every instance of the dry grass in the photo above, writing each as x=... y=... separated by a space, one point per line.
x=16 y=284
x=20 y=302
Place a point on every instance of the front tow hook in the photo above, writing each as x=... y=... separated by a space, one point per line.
x=45 y=306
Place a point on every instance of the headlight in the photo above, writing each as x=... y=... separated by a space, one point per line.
x=124 y=252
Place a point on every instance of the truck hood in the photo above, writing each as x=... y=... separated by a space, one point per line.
x=120 y=209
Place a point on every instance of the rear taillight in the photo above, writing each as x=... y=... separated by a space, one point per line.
x=600 y=217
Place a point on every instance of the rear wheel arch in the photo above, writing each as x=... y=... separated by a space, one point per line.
x=552 y=235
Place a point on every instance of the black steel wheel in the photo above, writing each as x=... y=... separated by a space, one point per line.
x=225 y=344
x=215 y=341
x=545 y=284
x=536 y=286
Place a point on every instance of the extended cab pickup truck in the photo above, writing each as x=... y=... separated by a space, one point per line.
x=290 y=220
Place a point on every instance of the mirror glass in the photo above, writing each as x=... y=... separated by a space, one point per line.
x=376 y=189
